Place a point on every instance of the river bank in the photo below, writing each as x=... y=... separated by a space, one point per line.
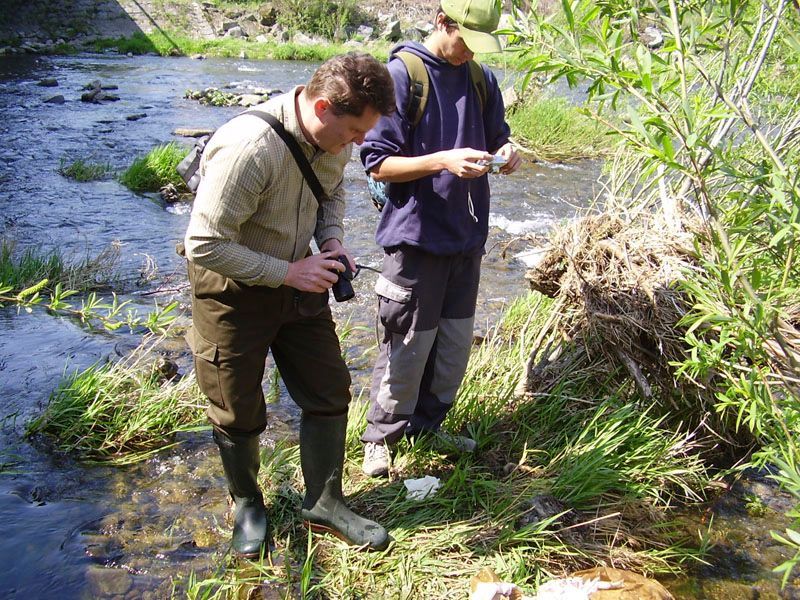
x=36 y=26
x=579 y=471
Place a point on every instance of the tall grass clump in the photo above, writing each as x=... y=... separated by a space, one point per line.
x=82 y=170
x=156 y=169
x=120 y=413
x=687 y=285
x=21 y=269
x=552 y=129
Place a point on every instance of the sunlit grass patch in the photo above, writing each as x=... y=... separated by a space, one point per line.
x=81 y=170
x=487 y=513
x=120 y=413
x=552 y=129
x=151 y=172
x=170 y=44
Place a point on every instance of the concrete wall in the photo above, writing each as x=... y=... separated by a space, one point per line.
x=83 y=20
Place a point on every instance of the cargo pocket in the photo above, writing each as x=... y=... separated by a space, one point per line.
x=206 y=366
x=310 y=304
x=395 y=305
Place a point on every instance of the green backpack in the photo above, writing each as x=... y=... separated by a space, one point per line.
x=419 y=83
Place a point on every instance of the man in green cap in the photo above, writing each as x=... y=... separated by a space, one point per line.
x=433 y=155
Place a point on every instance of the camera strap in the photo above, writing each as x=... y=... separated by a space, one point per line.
x=297 y=153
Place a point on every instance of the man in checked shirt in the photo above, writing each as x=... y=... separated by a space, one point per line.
x=256 y=287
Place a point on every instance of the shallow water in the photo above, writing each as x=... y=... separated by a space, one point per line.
x=74 y=531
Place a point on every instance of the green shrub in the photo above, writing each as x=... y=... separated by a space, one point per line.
x=318 y=17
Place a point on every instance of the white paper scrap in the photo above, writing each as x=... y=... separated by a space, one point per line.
x=419 y=489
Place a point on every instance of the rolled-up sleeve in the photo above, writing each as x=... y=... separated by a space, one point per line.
x=390 y=136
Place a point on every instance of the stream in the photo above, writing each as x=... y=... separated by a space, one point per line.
x=75 y=531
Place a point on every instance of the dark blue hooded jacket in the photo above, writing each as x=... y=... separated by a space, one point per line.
x=441 y=213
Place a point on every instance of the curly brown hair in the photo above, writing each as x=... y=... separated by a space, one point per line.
x=352 y=82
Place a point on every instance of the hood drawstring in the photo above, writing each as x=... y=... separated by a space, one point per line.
x=471 y=207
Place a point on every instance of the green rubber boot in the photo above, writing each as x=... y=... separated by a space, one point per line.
x=241 y=460
x=324 y=510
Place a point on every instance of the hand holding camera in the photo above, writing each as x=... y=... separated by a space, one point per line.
x=343 y=289
x=494 y=164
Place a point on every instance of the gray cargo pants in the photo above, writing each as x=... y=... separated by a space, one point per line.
x=426 y=306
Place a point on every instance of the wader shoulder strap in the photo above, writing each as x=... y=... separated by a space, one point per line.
x=297 y=153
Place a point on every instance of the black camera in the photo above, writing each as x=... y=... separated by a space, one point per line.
x=343 y=289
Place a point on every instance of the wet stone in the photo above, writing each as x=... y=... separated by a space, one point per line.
x=106 y=582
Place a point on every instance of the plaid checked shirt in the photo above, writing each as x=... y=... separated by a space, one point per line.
x=254 y=212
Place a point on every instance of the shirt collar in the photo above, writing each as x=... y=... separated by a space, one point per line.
x=290 y=120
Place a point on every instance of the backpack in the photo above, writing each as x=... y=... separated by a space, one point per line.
x=419 y=84
x=189 y=167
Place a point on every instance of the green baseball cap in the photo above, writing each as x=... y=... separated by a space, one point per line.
x=477 y=20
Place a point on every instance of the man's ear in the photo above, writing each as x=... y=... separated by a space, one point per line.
x=321 y=107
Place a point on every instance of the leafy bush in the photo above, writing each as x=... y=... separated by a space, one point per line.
x=319 y=17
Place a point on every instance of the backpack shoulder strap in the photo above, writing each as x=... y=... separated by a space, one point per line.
x=419 y=84
x=297 y=153
x=479 y=81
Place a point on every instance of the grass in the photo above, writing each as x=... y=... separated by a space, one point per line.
x=169 y=44
x=151 y=172
x=20 y=269
x=554 y=130
x=81 y=170
x=611 y=469
x=120 y=413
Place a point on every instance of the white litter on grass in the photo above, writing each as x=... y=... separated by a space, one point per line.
x=573 y=588
x=567 y=588
x=496 y=590
x=419 y=489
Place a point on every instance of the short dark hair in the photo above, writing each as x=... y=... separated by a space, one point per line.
x=352 y=82
x=447 y=20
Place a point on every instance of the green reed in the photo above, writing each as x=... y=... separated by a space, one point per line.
x=83 y=170
x=156 y=169
x=120 y=412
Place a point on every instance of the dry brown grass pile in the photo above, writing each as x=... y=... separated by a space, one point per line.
x=616 y=298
